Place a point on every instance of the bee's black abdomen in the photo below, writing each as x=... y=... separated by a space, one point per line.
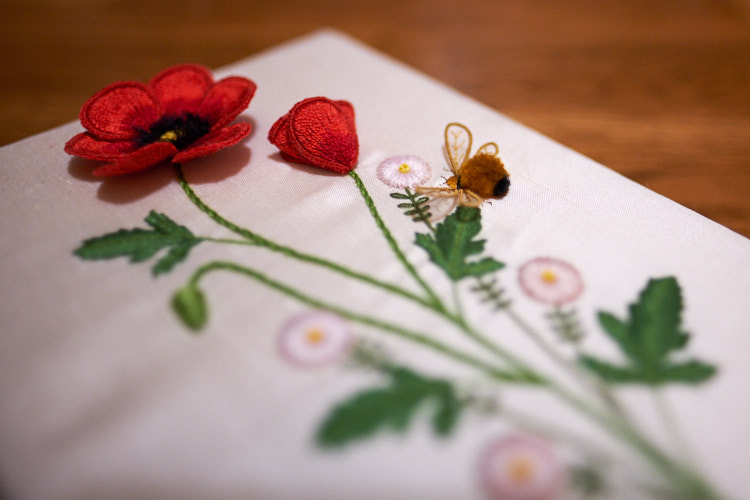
x=502 y=186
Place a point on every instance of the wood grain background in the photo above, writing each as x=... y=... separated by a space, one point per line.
x=658 y=90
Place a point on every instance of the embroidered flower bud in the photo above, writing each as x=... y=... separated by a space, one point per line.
x=190 y=305
x=318 y=132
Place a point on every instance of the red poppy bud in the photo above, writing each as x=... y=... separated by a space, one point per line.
x=318 y=132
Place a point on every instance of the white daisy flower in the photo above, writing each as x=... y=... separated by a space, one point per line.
x=315 y=338
x=551 y=281
x=404 y=171
x=518 y=467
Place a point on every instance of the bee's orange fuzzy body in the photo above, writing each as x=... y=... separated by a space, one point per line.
x=483 y=174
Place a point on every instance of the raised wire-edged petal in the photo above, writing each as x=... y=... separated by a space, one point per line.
x=181 y=88
x=119 y=111
x=222 y=138
x=323 y=133
x=347 y=110
x=138 y=160
x=87 y=146
x=227 y=99
x=280 y=136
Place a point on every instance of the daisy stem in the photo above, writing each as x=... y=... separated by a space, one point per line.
x=571 y=369
x=686 y=481
x=483 y=341
x=407 y=334
x=670 y=423
x=433 y=298
x=260 y=241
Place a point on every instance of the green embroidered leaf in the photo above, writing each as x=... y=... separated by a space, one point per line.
x=609 y=372
x=647 y=339
x=690 y=372
x=617 y=330
x=190 y=305
x=454 y=243
x=391 y=407
x=416 y=207
x=142 y=244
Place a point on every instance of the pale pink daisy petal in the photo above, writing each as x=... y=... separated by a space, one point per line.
x=519 y=467
x=551 y=281
x=315 y=338
x=404 y=171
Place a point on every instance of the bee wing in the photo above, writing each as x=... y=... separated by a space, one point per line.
x=457 y=145
x=443 y=200
x=442 y=207
x=468 y=198
x=436 y=192
x=489 y=149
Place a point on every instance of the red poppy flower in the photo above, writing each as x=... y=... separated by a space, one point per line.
x=318 y=132
x=181 y=114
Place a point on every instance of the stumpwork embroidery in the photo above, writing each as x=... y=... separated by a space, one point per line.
x=536 y=457
x=180 y=115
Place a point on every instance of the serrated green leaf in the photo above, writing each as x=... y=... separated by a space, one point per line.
x=176 y=254
x=655 y=321
x=142 y=244
x=617 y=329
x=689 y=372
x=448 y=412
x=399 y=196
x=647 y=338
x=609 y=372
x=454 y=243
x=404 y=205
x=190 y=306
x=391 y=407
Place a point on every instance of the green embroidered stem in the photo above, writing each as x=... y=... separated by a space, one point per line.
x=392 y=242
x=404 y=333
x=599 y=389
x=227 y=241
x=670 y=423
x=686 y=482
x=260 y=241
x=495 y=349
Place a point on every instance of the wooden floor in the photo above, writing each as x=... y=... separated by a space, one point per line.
x=657 y=90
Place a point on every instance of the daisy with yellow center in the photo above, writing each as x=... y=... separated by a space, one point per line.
x=521 y=467
x=404 y=171
x=551 y=281
x=315 y=338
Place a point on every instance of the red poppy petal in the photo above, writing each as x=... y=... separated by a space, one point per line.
x=280 y=137
x=181 y=88
x=323 y=133
x=347 y=109
x=87 y=146
x=138 y=160
x=293 y=159
x=222 y=138
x=227 y=99
x=119 y=111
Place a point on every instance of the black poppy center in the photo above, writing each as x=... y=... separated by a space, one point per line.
x=181 y=130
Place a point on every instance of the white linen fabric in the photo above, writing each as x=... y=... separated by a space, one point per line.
x=105 y=394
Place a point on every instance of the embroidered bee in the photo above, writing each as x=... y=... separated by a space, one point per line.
x=475 y=178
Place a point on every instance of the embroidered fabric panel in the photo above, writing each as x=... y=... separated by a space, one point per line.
x=352 y=326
